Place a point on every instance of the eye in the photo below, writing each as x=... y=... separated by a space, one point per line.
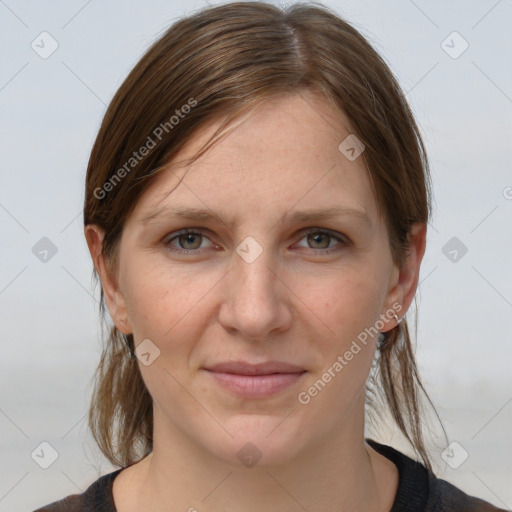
x=186 y=241
x=191 y=241
x=320 y=239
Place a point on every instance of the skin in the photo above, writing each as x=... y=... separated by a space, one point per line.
x=295 y=303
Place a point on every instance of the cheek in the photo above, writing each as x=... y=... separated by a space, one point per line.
x=161 y=300
x=345 y=304
x=348 y=307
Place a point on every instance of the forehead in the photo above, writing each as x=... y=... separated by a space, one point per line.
x=283 y=154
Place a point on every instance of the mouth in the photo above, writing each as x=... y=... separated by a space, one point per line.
x=255 y=380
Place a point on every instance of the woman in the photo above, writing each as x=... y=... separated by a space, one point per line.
x=256 y=209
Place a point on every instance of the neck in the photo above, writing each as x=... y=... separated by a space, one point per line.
x=339 y=473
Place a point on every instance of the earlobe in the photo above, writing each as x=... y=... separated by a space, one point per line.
x=405 y=279
x=113 y=296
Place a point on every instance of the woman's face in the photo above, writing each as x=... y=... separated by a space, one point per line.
x=294 y=273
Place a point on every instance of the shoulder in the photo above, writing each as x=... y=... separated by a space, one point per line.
x=70 y=504
x=447 y=497
x=419 y=490
x=98 y=496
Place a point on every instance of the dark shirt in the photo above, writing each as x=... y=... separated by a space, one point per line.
x=419 y=490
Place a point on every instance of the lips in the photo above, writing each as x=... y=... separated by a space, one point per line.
x=247 y=380
x=268 y=368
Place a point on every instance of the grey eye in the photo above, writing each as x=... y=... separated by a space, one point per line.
x=194 y=239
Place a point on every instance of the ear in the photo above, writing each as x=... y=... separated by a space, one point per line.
x=404 y=281
x=113 y=295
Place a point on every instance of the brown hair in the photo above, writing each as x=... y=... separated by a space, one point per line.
x=217 y=64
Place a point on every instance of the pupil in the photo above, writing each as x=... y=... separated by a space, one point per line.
x=318 y=236
x=189 y=238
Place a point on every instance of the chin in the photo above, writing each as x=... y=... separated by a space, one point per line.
x=257 y=442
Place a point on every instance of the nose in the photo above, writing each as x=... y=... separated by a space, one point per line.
x=256 y=302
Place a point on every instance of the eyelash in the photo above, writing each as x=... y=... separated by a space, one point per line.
x=343 y=240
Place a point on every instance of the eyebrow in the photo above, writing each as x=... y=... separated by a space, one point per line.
x=325 y=213
x=205 y=215
x=197 y=214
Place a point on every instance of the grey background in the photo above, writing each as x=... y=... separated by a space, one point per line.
x=51 y=111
